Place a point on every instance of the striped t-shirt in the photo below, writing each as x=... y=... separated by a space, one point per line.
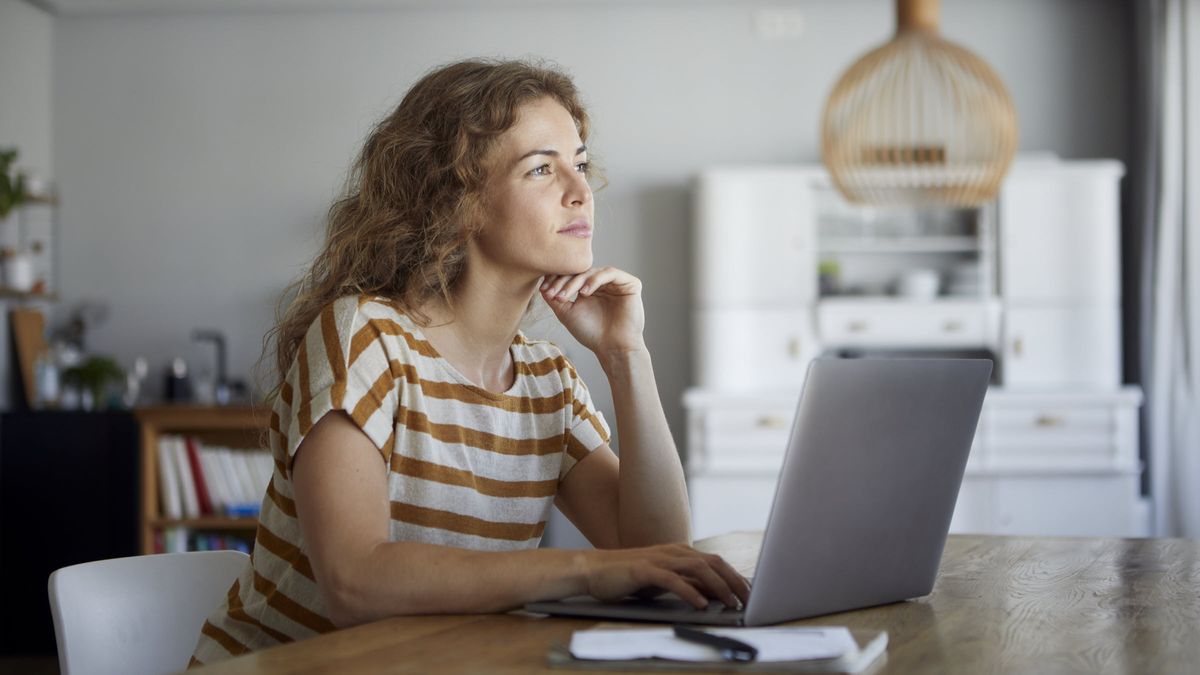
x=467 y=467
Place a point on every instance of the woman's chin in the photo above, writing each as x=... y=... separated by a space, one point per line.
x=573 y=265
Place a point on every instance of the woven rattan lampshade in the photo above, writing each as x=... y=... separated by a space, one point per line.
x=919 y=121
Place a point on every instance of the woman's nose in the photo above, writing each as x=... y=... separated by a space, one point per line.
x=577 y=191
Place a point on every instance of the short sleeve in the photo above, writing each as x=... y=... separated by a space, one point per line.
x=586 y=428
x=343 y=364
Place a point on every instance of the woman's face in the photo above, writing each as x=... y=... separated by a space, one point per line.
x=538 y=204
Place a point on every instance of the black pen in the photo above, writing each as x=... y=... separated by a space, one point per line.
x=731 y=650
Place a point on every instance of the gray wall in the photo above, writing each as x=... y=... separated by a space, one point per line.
x=26 y=52
x=197 y=152
x=26 y=66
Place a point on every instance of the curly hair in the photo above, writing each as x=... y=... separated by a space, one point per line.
x=413 y=198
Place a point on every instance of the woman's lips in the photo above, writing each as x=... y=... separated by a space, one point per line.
x=582 y=230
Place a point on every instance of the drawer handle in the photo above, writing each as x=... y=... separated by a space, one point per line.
x=1018 y=346
x=771 y=422
x=856 y=326
x=953 y=326
x=793 y=348
x=1050 y=420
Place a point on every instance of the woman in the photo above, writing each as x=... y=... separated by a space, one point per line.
x=419 y=437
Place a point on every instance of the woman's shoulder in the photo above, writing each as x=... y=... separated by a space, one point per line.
x=543 y=356
x=353 y=321
x=351 y=311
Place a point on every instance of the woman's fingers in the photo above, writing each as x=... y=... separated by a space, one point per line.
x=562 y=287
x=732 y=579
x=677 y=585
x=710 y=582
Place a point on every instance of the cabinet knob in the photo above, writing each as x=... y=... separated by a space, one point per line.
x=1049 y=420
x=771 y=422
x=856 y=326
x=793 y=348
x=1018 y=346
x=952 y=326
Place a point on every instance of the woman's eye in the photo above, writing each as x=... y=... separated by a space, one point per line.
x=543 y=170
x=583 y=167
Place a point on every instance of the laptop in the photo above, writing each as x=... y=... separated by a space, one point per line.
x=864 y=499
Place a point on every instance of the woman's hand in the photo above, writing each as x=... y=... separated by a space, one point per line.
x=696 y=577
x=606 y=316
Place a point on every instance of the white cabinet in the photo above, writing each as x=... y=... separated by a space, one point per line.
x=850 y=322
x=786 y=270
x=783 y=344
x=1060 y=275
x=1060 y=232
x=1058 y=464
x=1062 y=346
x=754 y=233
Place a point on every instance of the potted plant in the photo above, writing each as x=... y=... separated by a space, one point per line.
x=12 y=188
x=92 y=378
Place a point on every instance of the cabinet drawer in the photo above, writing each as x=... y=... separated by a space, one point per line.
x=938 y=324
x=1057 y=437
x=752 y=440
x=1052 y=423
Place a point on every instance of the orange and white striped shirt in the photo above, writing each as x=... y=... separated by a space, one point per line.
x=466 y=467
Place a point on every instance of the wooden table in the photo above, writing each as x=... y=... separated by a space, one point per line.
x=1000 y=605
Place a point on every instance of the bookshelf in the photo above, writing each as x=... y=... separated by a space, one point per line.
x=232 y=426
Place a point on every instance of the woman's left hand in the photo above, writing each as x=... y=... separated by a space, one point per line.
x=606 y=315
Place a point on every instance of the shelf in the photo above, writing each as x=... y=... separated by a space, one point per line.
x=10 y=293
x=230 y=426
x=952 y=244
x=195 y=418
x=855 y=300
x=208 y=523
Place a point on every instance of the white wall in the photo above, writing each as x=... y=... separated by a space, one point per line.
x=26 y=56
x=26 y=52
x=196 y=153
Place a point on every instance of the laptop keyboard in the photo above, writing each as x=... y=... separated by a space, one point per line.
x=677 y=605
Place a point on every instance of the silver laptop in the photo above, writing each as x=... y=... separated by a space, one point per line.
x=864 y=499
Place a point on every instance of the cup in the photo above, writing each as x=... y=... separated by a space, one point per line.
x=919 y=284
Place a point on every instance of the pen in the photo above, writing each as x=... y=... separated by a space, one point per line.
x=731 y=650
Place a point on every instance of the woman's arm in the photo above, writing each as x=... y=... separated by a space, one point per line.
x=342 y=502
x=646 y=489
x=652 y=496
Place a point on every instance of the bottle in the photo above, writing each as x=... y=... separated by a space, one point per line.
x=45 y=378
x=178 y=389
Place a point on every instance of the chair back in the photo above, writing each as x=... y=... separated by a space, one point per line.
x=140 y=615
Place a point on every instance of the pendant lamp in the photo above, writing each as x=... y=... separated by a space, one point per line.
x=919 y=121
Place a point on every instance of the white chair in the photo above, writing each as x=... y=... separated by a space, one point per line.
x=137 y=615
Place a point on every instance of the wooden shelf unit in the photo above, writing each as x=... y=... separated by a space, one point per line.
x=232 y=426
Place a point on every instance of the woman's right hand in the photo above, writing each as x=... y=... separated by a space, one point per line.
x=613 y=574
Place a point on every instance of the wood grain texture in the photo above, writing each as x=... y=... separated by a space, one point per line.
x=1000 y=605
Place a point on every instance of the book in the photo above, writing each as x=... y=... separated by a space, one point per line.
x=198 y=477
x=168 y=482
x=244 y=503
x=245 y=473
x=191 y=504
x=214 y=478
x=868 y=650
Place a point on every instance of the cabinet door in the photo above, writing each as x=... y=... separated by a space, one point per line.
x=1059 y=233
x=722 y=504
x=1062 y=346
x=973 y=512
x=1099 y=505
x=754 y=238
x=745 y=349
